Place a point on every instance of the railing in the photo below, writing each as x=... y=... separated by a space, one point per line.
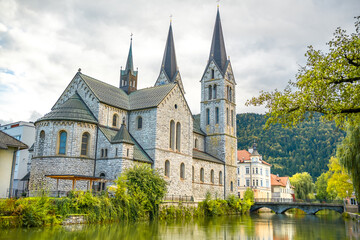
x=290 y=200
x=178 y=198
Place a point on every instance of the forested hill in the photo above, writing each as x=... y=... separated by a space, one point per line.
x=306 y=147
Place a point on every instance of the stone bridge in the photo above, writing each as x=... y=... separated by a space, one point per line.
x=308 y=207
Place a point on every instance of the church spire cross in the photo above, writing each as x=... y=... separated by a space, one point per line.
x=217 y=50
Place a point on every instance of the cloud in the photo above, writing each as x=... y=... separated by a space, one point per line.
x=43 y=44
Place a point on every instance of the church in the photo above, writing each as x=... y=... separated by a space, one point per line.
x=99 y=130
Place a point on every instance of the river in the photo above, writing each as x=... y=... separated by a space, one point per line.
x=255 y=226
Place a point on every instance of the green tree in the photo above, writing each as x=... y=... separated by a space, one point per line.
x=328 y=84
x=145 y=187
x=303 y=184
x=339 y=181
x=321 y=185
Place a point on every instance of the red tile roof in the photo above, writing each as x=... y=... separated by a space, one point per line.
x=278 y=181
x=245 y=155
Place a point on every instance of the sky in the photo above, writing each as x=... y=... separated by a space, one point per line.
x=44 y=43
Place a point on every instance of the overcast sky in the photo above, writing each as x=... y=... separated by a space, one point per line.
x=43 y=43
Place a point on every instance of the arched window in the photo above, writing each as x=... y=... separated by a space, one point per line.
x=102 y=152
x=115 y=120
x=172 y=135
x=212 y=176
x=215 y=92
x=220 y=178
x=231 y=186
x=178 y=136
x=182 y=171
x=167 y=168
x=232 y=117
x=217 y=115
x=196 y=143
x=193 y=174
x=102 y=184
x=210 y=92
x=202 y=175
x=62 y=142
x=41 y=143
x=227 y=116
x=227 y=92
x=212 y=73
x=139 y=123
x=207 y=116
x=84 y=144
x=230 y=94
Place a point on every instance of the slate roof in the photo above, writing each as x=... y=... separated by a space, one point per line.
x=140 y=99
x=123 y=136
x=205 y=156
x=217 y=50
x=113 y=136
x=169 y=64
x=107 y=93
x=73 y=109
x=7 y=141
x=196 y=125
x=149 y=97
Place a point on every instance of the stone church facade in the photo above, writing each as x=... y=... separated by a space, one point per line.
x=99 y=130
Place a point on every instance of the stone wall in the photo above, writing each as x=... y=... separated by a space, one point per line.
x=200 y=142
x=174 y=107
x=146 y=136
x=201 y=188
x=74 y=131
x=40 y=167
x=106 y=114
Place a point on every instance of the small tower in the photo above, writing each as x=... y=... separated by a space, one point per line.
x=128 y=77
x=218 y=108
x=169 y=72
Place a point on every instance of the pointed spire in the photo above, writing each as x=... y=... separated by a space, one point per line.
x=129 y=62
x=217 y=51
x=169 y=64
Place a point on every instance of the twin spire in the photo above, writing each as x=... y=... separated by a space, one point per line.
x=169 y=72
x=217 y=50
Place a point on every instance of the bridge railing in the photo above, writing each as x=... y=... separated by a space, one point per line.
x=290 y=200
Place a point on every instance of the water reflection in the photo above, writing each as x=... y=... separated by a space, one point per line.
x=257 y=226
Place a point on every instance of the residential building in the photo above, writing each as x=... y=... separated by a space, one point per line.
x=254 y=173
x=24 y=132
x=281 y=188
x=9 y=146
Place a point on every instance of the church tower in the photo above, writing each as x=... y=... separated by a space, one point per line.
x=169 y=71
x=218 y=108
x=128 y=77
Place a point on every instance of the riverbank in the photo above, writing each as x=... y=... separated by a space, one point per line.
x=83 y=207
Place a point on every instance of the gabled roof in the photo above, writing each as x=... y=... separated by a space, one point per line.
x=196 y=125
x=107 y=93
x=7 y=141
x=113 y=136
x=140 y=99
x=278 y=181
x=243 y=155
x=197 y=154
x=217 y=50
x=169 y=65
x=149 y=97
x=73 y=109
x=123 y=136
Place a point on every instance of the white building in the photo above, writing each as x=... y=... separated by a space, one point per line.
x=24 y=132
x=281 y=188
x=254 y=173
